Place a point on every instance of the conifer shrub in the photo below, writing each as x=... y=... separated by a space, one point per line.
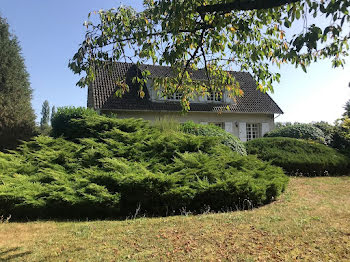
x=301 y=131
x=130 y=165
x=225 y=180
x=214 y=131
x=62 y=124
x=299 y=157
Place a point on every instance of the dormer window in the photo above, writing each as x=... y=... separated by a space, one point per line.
x=214 y=96
x=176 y=96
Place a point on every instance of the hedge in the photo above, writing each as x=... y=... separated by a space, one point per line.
x=214 y=131
x=113 y=166
x=299 y=157
x=52 y=181
x=301 y=131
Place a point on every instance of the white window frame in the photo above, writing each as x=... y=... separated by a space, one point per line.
x=177 y=96
x=253 y=130
x=215 y=97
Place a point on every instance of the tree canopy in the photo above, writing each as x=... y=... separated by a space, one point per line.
x=16 y=112
x=216 y=36
x=45 y=114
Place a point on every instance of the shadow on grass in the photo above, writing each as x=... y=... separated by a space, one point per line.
x=12 y=253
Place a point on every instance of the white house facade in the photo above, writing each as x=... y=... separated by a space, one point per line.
x=248 y=117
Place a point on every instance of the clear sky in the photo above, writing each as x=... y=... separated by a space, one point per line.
x=50 y=32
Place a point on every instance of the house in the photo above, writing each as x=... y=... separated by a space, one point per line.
x=248 y=117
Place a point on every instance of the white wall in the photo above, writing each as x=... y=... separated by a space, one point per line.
x=233 y=119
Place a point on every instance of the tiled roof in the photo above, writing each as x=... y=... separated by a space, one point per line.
x=102 y=93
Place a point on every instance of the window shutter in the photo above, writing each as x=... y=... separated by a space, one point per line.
x=229 y=127
x=242 y=127
x=265 y=127
x=227 y=99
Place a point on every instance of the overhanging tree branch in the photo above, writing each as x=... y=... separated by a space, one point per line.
x=243 y=5
x=168 y=32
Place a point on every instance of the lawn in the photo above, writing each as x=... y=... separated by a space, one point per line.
x=310 y=222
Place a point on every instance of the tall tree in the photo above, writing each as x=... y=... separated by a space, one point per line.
x=53 y=112
x=347 y=109
x=45 y=115
x=17 y=119
x=215 y=35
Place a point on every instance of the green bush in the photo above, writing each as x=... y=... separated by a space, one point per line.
x=301 y=157
x=226 y=180
x=337 y=136
x=126 y=164
x=301 y=131
x=214 y=131
x=328 y=131
x=341 y=140
x=61 y=122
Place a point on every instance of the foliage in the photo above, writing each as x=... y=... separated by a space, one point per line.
x=328 y=131
x=166 y=123
x=109 y=167
x=279 y=125
x=214 y=131
x=61 y=121
x=337 y=136
x=347 y=109
x=214 y=35
x=341 y=136
x=45 y=128
x=16 y=113
x=224 y=177
x=45 y=114
x=302 y=131
x=299 y=157
x=53 y=112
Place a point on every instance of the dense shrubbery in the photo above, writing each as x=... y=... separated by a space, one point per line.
x=337 y=136
x=109 y=167
x=328 y=131
x=214 y=131
x=297 y=156
x=340 y=136
x=302 y=131
x=64 y=121
x=341 y=140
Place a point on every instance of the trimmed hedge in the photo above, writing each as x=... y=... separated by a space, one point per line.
x=299 y=157
x=214 y=131
x=301 y=131
x=113 y=166
x=50 y=178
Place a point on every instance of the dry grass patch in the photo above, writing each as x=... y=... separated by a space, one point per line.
x=310 y=222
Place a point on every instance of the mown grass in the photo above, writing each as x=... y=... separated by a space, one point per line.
x=310 y=222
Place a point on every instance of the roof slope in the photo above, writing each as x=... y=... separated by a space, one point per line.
x=101 y=93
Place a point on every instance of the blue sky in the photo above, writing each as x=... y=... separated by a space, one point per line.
x=50 y=32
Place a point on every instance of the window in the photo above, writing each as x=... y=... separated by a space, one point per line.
x=219 y=124
x=176 y=96
x=214 y=96
x=253 y=131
